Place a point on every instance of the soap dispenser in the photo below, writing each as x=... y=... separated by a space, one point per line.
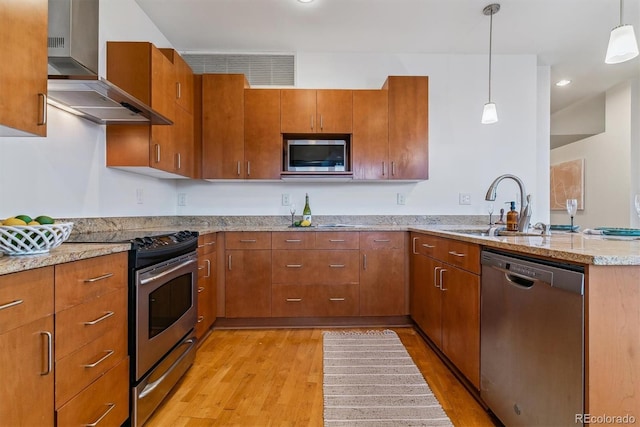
x=512 y=218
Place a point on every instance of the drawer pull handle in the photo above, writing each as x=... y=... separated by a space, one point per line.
x=49 y=352
x=336 y=265
x=442 y=288
x=413 y=245
x=97 y=279
x=428 y=246
x=294 y=299
x=208 y=267
x=102 y=359
x=247 y=240
x=200 y=319
x=294 y=265
x=100 y=319
x=435 y=277
x=382 y=240
x=210 y=243
x=201 y=267
x=229 y=262
x=96 y=422
x=336 y=240
x=336 y=299
x=293 y=240
x=44 y=109
x=11 y=304
x=364 y=261
x=454 y=253
x=200 y=289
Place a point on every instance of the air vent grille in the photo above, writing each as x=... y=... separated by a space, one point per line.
x=56 y=42
x=260 y=70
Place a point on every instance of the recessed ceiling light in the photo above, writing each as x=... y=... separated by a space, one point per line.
x=305 y=1
x=563 y=82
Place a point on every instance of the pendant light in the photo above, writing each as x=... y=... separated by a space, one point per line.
x=489 y=113
x=622 y=43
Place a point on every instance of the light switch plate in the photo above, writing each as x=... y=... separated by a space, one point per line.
x=401 y=199
x=464 y=199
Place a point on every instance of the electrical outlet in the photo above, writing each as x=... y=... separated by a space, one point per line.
x=464 y=199
x=286 y=199
x=182 y=199
x=401 y=199
x=139 y=196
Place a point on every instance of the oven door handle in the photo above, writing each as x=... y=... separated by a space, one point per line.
x=150 y=387
x=166 y=272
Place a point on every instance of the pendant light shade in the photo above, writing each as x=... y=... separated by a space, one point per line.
x=623 y=45
x=490 y=113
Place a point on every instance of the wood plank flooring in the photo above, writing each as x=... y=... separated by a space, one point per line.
x=273 y=377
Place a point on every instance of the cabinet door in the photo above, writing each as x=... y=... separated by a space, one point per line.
x=26 y=369
x=184 y=75
x=408 y=126
x=207 y=292
x=334 y=111
x=223 y=126
x=370 y=143
x=298 y=111
x=461 y=320
x=23 y=70
x=382 y=274
x=248 y=283
x=262 y=137
x=183 y=142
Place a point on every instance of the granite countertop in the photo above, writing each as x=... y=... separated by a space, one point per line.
x=571 y=247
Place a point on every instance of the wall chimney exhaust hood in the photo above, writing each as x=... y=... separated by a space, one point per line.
x=74 y=84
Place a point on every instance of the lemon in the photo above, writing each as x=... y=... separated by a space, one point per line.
x=26 y=218
x=44 y=219
x=13 y=221
x=33 y=223
x=305 y=223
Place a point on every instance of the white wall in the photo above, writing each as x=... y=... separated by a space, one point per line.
x=608 y=182
x=64 y=174
x=465 y=156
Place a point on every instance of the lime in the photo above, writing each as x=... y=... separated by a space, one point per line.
x=297 y=223
x=26 y=218
x=44 y=219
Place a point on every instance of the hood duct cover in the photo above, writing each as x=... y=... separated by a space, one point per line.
x=74 y=84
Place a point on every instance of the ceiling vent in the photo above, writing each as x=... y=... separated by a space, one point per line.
x=260 y=70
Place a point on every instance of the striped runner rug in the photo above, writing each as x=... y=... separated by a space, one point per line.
x=371 y=380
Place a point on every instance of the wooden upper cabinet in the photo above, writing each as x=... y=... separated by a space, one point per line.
x=370 y=141
x=262 y=137
x=316 y=111
x=23 y=70
x=223 y=126
x=183 y=80
x=408 y=126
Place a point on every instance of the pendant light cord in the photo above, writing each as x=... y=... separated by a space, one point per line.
x=621 y=12
x=490 y=43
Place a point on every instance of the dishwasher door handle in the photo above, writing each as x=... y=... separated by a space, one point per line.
x=519 y=280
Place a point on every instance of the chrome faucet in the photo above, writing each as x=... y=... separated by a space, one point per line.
x=525 y=209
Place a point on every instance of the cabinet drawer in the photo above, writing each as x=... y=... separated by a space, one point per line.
x=207 y=243
x=80 y=368
x=293 y=240
x=25 y=297
x=373 y=240
x=337 y=240
x=80 y=281
x=105 y=402
x=248 y=240
x=81 y=324
x=315 y=267
x=427 y=245
x=464 y=255
x=315 y=300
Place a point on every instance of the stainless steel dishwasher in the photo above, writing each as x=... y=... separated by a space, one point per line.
x=532 y=340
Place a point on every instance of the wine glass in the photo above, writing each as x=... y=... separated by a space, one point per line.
x=490 y=210
x=292 y=210
x=572 y=208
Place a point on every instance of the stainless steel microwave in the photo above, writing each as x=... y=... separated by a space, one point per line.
x=316 y=155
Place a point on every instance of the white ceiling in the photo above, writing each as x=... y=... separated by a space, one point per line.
x=569 y=35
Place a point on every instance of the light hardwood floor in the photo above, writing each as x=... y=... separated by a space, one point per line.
x=274 y=378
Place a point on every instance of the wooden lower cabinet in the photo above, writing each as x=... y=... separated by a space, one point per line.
x=26 y=348
x=315 y=300
x=383 y=274
x=445 y=299
x=248 y=274
x=91 y=361
x=207 y=275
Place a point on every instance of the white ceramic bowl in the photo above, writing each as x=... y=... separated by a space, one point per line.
x=33 y=239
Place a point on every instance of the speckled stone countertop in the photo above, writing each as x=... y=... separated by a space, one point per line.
x=571 y=247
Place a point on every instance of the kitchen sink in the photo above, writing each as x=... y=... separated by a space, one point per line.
x=473 y=232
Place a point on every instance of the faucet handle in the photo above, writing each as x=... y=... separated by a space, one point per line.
x=546 y=228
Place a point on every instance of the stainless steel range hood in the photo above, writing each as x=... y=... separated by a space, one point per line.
x=74 y=84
